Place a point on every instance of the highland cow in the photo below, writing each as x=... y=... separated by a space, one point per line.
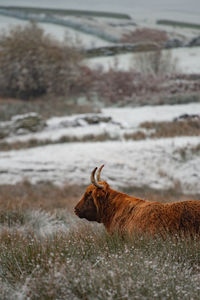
x=124 y=214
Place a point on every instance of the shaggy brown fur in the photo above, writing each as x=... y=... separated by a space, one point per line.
x=125 y=214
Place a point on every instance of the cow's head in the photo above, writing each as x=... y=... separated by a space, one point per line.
x=90 y=205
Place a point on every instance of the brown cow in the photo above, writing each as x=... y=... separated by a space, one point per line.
x=125 y=214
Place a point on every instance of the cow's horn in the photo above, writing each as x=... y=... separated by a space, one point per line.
x=99 y=173
x=94 y=181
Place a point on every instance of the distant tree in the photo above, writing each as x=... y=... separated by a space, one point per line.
x=32 y=63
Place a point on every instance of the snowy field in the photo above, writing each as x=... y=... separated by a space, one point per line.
x=58 y=32
x=123 y=120
x=154 y=163
x=187 y=59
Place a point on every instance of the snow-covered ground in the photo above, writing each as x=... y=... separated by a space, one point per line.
x=59 y=32
x=133 y=117
x=155 y=163
x=143 y=14
x=122 y=120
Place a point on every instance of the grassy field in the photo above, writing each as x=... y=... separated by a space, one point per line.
x=89 y=264
x=46 y=252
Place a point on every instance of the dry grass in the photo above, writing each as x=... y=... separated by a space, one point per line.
x=46 y=252
x=136 y=136
x=42 y=195
x=166 y=130
x=188 y=127
x=101 y=137
x=88 y=264
x=49 y=197
x=173 y=129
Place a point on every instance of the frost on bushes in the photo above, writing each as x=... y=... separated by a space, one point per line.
x=116 y=85
x=33 y=64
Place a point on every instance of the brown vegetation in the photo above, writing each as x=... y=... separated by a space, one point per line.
x=46 y=253
x=190 y=127
x=47 y=196
x=187 y=127
x=33 y=64
x=145 y=35
x=42 y=195
x=130 y=87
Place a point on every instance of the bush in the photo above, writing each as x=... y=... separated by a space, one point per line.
x=116 y=86
x=156 y=62
x=33 y=64
x=143 y=35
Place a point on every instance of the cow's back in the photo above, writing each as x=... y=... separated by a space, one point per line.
x=155 y=217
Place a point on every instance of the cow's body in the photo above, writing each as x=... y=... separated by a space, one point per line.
x=125 y=214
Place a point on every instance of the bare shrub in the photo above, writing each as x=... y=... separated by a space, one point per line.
x=114 y=85
x=156 y=62
x=145 y=35
x=33 y=64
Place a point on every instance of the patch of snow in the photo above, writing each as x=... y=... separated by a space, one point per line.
x=83 y=40
x=154 y=163
x=122 y=120
x=133 y=117
x=9 y=22
x=71 y=127
x=188 y=59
